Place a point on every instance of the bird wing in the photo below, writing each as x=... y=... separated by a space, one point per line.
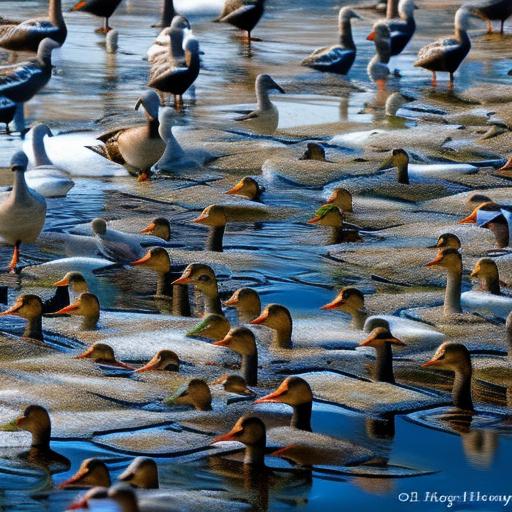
x=436 y=50
x=241 y=11
x=17 y=75
x=118 y=246
x=327 y=56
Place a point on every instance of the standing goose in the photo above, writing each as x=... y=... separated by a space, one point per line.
x=377 y=69
x=213 y=216
x=27 y=35
x=138 y=147
x=350 y=300
x=100 y=8
x=279 y=319
x=29 y=307
x=22 y=212
x=330 y=216
x=491 y=10
x=245 y=17
x=247 y=303
x=446 y=55
x=88 y=307
x=338 y=58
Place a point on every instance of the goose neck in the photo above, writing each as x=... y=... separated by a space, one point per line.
x=282 y=337
x=255 y=453
x=39 y=150
x=301 y=417
x=55 y=12
x=34 y=328
x=359 y=317
x=403 y=173
x=384 y=364
x=168 y=13
x=461 y=392
x=249 y=369
x=452 y=293
x=346 y=39
x=215 y=238
x=90 y=322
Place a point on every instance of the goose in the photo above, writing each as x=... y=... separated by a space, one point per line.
x=163 y=360
x=159 y=227
x=92 y=472
x=101 y=353
x=68 y=290
x=265 y=118
x=45 y=178
x=86 y=306
x=279 y=319
x=338 y=58
x=341 y=198
x=377 y=69
x=245 y=17
x=167 y=48
x=247 y=187
x=446 y=55
x=138 y=147
x=22 y=212
x=27 y=35
x=242 y=341
x=101 y=8
x=447 y=240
x=29 y=307
x=350 y=300
x=330 y=216
x=247 y=303
x=486 y=271
x=142 y=473
x=213 y=216
x=490 y=10
x=157 y=260
x=212 y=326
x=196 y=394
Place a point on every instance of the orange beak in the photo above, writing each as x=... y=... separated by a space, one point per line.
x=313 y=220
x=281 y=452
x=436 y=261
x=230 y=436
x=68 y=309
x=62 y=282
x=149 y=228
x=223 y=342
x=235 y=189
x=12 y=310
x=371 y=36
x=201 y=219
x=274 y=396
x=232 y=301
x=81 y=473
x=78 y=6
x=261 y=319
x=336 y=303
x=86 y=354
x=331 y=199
x=368 y=341
x=79 y=505
x=20 y=421
x=470 y=219
x=507 y=166
x=182 y=280
x=143 y=260
x=432 y=362
x=151 y=365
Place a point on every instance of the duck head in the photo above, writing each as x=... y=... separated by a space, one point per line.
x=293 y=391
x=247 y=187
x=201 y=276
x=449 y=259
x=328 y=215
x=196 y=394
x=314 y=151
x=245 y=300
x=213 y=327
x=241 y=340
x=27 y=306
x=379 y=337
x=274 y=316
x=166 y=360
x=102 y=353
x=82 y=503
x=349 y=300
x=156 y=259
x=486 y=271
x=234 y=384
x=380 y=33
x=36 y=420
x=213 y=215
x=341 y=198
x=141 y=473
x=447 y=240
x=75 y=281
x=151 y=103
x=472 y=218
x=450 y=356
x=399 y=158
x=99 y=226
x=475 y=200
x=159 y=227
x=86 y=306
x=92 y=473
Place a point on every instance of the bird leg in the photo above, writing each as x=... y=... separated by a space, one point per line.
x=381 y=84
x=434 y=79
x=104 y=29
x=15 y=257
x=452 y=81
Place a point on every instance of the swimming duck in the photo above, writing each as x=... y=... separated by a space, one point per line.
x=159 y=227
x=494 y=217
x=330 y=215
x=101 y=353
x=234 y=384
x=86 y=306
x=447 y=240
x=197 y=394
x=176 y=81
x=451 y=260
x=163 y=360
x=338 y=58
x=101 y=8
x=382 y=340
x=247 y=303
x=29 y=307
x=157 y=260
x=455 y=357
x=247 y=187
x=204 y=279
x=378 y=70
x=213 y=216
x=27 y=35
x=279 y=319
x=447 y=54
x=245 y=17
x=486 y=271
x=68 y=290
x=341 y=198
x=92 y=473
x=46 y=178
x=141 y=473
x=138 y=147
x=265 y=118
x=22 y=212
x=490 y=10
x=212 y=327
x=242 y=341
x=350 y=300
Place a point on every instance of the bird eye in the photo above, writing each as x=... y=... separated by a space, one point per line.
x=204 y=278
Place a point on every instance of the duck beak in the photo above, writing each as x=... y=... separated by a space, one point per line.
x=371 y=36
x=330 y=200
x=234 y=190
x=62 y=282
x=143 y=260
x=507 y=166
x=230 y=436
x=81 y=504
x=436 y=261
x=224 y=342
x=151 y=365
x=433 y=362
x=336 y=303
x=78 y=6
x=126 y=476
x=75 y=479
x=85 y=355
x=274 y=396
x=387 y=164
x=149 y=228
x=182 y=280
x=261 y=319
x=475 y=272
x=68 y=309
x=201 y=219
x=13 y=310
x=232 y=301
x=470 y=219
x=368 y=342
x=314 y=220
x=281 y=452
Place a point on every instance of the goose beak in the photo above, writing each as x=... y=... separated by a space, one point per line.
x=433 y=362
x=314 y=220
x=81 y=504
x=234 y=190
x=62 y=282
x=151 y=365
x=230 y=436
x=182 y=280
x=201 y=219
x=274 y=396
x=371 y=36
x=330 y=200
x=336 y=303
x=261 y=319
x=470 y=219
x=224 y=342
x=68 y=309
x=78 y=6
x=85 y=355
x=149 y=228
x=232 y=301
x=75 y=479
x=143 y=260
x=12 y=310
x=436 y=261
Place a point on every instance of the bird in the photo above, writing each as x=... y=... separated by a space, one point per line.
x=329 y=215
x=195 y=394
x=159 y=227
x=163 y=360
x=279 y=319
x=247 y=303
x=341 y=198
x=29 y=307
x=142 y=473
x=68 y=290
x=22 y=212
x=92 y=472
x=245 y=17
x=247 y=187
x=213 y=326
x=350 y=300
x=86 y=306
x=101 y=353
x=101 y=8
x=490 y=10
x=377 y=69
x=213 y=216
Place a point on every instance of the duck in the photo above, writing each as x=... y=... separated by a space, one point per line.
x=350 y=300
x=27 y=35
x=279 y=319
x=381 y=339
x=447 y=240
x=101 y=8
x=137 y=147
x=196 y=394
x=212 y=326
x=247 y=187
x=142 y=473
x=330 y=216
x=242 y=341
x=455 y=357
x=46 y=178
x=487 y=273
x=163 y=360
x=101 y=353
x=339 y=58
x=342 y=198
x=86 y=306
x=157 y=260
x=265 y=119
x=490 y=10
x=177 y=81
x=29 y=307
x=36 y=420
x=92 y=472
x=234 y=384
x=377 y=69
x=203 y=278
x=68 y=290
x=447 y=54
x=245 y=17
x=159 y=227
x=247 y=303
x=22 y=212
x=213 y=216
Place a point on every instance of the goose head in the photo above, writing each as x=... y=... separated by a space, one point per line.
x=486 y=270
x=19 y=162
x=475 y=200
x=349 y=300
x=244 y=299
x=141 y=473
x=247 y=187
x=293 y=391
x=165 y=360
x=341 y=198
x=462 y=19
x=265 y=83
x=99 y=226
x=151 y=103
x=380 y=34
x=159 y=227
x=180 y=23
x=196 y=394
x=40 y=131
x=27 y=306
x=347 y=14
x=87 y=306
x=82 y=503
x=92 y=473
x=328 y=215
x=213 y=327
x=395 y=101
x=124 y=497
x=36 y=420
x=447 y=240
x=275 y=317
x=102 y=353
x=379 y=337
x=213 y=216
x=314 y=151
x=192 y=50
x=449 y=259
x=451 y=356
x=45 y=49
x=398 y=158
x=240 y=340
x=472 y=218
x=156 y=259
x=234 y=384
x=201 y=276
x=75 y=281
x=248 y=430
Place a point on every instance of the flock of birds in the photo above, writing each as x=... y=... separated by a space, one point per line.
x=175 y=63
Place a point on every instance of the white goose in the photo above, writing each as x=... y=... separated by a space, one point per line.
x=22 y=212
